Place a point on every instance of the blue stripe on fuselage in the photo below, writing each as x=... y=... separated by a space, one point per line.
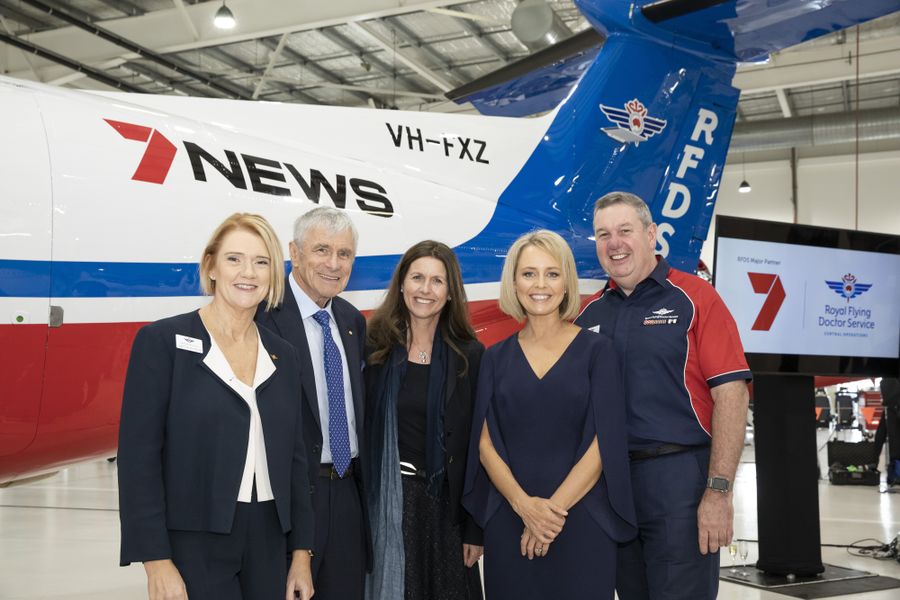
x=32 y=278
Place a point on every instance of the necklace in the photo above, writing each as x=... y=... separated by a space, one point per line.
x=415 y=349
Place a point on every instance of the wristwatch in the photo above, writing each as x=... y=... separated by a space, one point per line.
x=719 y=484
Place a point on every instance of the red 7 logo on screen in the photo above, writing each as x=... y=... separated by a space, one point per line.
x=770 y=285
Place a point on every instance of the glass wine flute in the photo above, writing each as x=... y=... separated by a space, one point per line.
x=744 y=551
x=733 y=550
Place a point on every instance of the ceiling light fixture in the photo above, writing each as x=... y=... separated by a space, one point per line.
x=224 y=18
x=744 y=188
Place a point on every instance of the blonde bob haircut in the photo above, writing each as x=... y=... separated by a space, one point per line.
x=554 y=245
x=259 y=226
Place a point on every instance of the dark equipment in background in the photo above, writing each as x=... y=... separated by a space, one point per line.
x=853 y=463
x=823 y=420
x=889 y=428
x=843 y=402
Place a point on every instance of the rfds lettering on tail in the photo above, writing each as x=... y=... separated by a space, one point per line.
x=690 y=182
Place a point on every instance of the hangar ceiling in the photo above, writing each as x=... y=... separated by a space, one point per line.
x=383 y=53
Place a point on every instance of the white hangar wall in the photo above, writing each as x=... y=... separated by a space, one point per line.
x=825 y=192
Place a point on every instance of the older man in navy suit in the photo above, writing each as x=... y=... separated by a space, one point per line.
x=329 y=334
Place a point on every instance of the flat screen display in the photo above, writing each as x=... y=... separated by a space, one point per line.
x=811 y=300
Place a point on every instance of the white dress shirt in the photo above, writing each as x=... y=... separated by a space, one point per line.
x=255 y=465
x=316 y=343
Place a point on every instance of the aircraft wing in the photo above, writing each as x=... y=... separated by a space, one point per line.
x=737 y=30
x=750 y=30
x=533 y=84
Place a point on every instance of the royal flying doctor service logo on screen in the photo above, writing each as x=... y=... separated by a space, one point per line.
x=790 y=299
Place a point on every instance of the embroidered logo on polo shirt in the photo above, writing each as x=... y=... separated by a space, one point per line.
x=663 y=316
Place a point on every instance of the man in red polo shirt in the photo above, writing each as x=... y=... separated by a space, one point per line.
x=686 y=399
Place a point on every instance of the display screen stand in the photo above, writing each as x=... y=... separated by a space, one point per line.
x=787 y=475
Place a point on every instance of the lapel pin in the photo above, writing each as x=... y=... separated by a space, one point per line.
x=349 y=332
x=273 y=357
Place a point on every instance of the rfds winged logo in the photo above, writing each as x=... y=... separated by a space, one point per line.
x=848 y=286
x=632 y=124
x=663 y=312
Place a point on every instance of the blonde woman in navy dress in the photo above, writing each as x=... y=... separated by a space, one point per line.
x=547 y=477
x=212 y=469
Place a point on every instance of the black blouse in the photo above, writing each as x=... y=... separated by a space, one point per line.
x=412 y=410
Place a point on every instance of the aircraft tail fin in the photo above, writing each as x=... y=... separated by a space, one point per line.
x=652 y=115
x=647 y=118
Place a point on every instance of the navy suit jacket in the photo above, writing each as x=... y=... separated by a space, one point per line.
x=183 y=442
x=285 y=320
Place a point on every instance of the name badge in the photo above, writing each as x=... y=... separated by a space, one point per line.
x=190 y=344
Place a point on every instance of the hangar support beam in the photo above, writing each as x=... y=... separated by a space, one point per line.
x=237 y=64
x=423 y=71
x=70 y=64
x=384 y=67
x=816 y=130
x=819 y=65
x=483 y=38
x=164 y=32
x=408 y=36
x=299 y=59
x=137 y=49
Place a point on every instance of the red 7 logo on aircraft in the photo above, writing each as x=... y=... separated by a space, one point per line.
x=158 y=157
x=770 y=285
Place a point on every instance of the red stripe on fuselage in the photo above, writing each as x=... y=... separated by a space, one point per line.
x=22 y=356
x=75 y=414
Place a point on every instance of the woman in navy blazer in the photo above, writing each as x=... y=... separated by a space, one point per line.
x=212 y=468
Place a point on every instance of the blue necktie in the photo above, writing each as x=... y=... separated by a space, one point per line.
x=339 y=436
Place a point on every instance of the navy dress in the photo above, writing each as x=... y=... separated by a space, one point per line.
x=541 y=427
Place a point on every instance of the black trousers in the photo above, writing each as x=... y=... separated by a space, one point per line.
x=339 y=560
x=246 y=564
x=664 y=561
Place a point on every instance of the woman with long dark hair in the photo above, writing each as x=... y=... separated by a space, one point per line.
x=421 y=378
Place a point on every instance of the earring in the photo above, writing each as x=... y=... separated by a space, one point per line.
x=449 y=298
x=212 y=277
x=401 y=289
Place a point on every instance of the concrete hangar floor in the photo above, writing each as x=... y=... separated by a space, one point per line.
x=59 y=538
